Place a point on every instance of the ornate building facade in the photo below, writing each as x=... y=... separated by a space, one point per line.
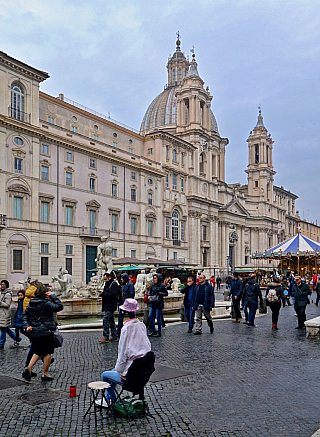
x=70 y=175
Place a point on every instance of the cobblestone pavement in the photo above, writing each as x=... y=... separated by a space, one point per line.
x=244 y=382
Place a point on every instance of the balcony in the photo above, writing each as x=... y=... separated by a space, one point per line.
x=93 y=232
x=3 y=221
x=19 y=115
x=176 y=242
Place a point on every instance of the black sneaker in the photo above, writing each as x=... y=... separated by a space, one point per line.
x=211 y=329
x=158 y=334
x=26 y=374
x=153 y=334
x=197 y=333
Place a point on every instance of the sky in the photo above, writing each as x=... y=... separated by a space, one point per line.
x=112 y=56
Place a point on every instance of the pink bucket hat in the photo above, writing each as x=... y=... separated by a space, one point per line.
x=130 y=305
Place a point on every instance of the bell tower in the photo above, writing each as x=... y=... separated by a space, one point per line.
x=260 y=167
x=177 y=65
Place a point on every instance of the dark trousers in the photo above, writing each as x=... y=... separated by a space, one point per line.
x=301 y=313
x=252 y=307
x=120 y=319
x=275 y=308
x=109 y=325
x=236 y=304
x=189 y=313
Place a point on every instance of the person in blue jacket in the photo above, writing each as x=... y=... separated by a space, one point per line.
x=235 y=293
x=127 y=292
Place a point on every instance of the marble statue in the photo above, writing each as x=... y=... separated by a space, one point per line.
x=175 y=286
x=66 y=283
x=149 y=277
x=140 y=286
x=104 y=255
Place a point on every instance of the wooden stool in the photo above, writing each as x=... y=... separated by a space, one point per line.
x=95 y=388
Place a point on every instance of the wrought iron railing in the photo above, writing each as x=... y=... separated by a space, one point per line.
x=3 y=220
x=18 y=114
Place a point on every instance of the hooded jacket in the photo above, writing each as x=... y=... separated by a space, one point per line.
x=5 y=312
x=252 y=292
x=39 y=315
x=301 y=293
x=158 y=289
x=110 y=296
x=127 y=287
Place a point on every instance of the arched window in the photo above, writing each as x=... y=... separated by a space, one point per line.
x=202 y=169
x=256 y=153
x=174 y=75
x=175 y=225
x=17 y=101
x=179 y=75
x=174 y=155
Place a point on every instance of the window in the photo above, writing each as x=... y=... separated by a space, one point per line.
x=130 y=141
x=114 y=219
x=92 y=163
x=51 y=119
x=45 y=149
x=17 y=259
x=133 y=254
x=18 y=141
x=175 y=225
x=115 y=134
x=204 y=232
x=114 y=144
x=175 y=255
x=17 y=207
x=69 y=156
x=69 y=249
x=256 y=153
x=174 y=181
x=150 y=181
x=167 y=227
x=167 y=180
x=167 y=152
x=114 y=169
x=133 y=225
x=96 y=127
x=74 y=118
x=133 y=195
x=74 y=129
x=183 y=232
x=150 y=228
x=130 y=150
x=114 y=253
x=256 y=184
x=150 y=151
x=182 y=185
x=174 y=75
x=44 y=212
x=69 y=265
x=174 y=155
x=96 y=137
x=44 y=266
x=92 y=221
x=133 y=175
x=114 y=190
x=69 y=215
x=179 y=75
x=149 y=198
x=18 y=162
x=68 y=178
x=92 y=184
x=44 y=247
x=17 y=101
x=182 y=158
x=44 y=173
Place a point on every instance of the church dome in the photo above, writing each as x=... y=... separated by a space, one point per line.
x=162 y=113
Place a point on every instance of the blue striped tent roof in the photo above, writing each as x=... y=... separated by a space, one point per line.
x=297 y=242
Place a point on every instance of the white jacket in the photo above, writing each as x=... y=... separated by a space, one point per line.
x=134 y=343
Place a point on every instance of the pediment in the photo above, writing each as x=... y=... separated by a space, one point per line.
x=235 y=207
x=93 y=204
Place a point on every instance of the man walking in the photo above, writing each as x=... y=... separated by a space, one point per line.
x=109 y=305
x=203 y=302
x=252 y=295
x=188 y=291
x=235 y=293
x=300 y=291
x=127 y=292
x=218 y=282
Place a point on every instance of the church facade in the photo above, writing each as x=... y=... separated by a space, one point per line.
x=70 y=175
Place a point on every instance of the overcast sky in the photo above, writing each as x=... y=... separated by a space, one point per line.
x=111 y=57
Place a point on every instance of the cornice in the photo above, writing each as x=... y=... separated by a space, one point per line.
x=23 y=68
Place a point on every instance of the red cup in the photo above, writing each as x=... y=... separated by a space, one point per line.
x=73 y=391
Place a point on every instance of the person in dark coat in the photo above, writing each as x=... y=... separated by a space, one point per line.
x=252 y=294
x=275 y=304
x=235 y=294
x=218 y=282
x=109 y=305
x=17 y=321
x=156 y=306
x=38 y=322
x=318 y=292
x=203 y=302
x=127 y=292
x=300 y=291
x=244 y=299
x=188 y=291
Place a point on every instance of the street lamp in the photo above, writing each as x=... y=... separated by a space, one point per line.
x=298 y=255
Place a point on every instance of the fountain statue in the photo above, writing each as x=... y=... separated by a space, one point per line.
x=66 y=283
x=175 y=287
x=140 y=286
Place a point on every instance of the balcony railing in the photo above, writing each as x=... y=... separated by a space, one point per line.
x=19 y=115
x=94 y=232
x=176 y=242
x=3 y=220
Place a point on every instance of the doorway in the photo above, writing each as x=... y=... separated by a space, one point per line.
x=91 y=254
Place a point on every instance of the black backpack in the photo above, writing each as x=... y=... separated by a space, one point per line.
x=120 y=299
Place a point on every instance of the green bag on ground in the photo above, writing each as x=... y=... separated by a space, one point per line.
x=128 y=407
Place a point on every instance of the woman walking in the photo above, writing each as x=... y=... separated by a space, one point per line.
x=273 y=298
x=156 y=304
x=5 y=314
x=39 y=323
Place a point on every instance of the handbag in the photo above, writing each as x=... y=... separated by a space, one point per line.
x=57 y=339
x=154 y=298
